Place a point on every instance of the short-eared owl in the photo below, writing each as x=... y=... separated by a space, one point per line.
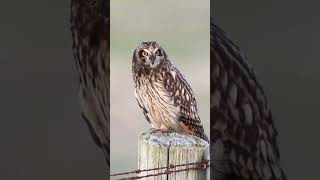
x=163 y=93
x=243 y=134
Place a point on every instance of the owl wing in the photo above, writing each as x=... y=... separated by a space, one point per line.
x=241 y=120
x=140 y=103
x=89 y=27
x=182 y=95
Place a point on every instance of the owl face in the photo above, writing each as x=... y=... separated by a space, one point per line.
x=149 y=54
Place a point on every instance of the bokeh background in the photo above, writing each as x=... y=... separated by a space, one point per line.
x=42 y=135
x=281 y=39
x=182 y=28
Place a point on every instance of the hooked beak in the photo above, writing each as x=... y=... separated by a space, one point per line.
x=152 y=59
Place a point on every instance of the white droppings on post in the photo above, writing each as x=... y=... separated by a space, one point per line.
x=163 y=149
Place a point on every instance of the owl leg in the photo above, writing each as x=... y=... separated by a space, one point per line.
x=165 y=129
x=162 y=129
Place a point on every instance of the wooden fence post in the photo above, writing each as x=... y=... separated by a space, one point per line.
x=164 y=149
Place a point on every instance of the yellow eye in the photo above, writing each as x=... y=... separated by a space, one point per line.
x=144 y=53
x=157 y=53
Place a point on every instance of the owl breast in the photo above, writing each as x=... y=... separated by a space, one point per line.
x=158 y=105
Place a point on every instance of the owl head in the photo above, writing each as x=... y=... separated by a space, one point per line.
x=149 y=54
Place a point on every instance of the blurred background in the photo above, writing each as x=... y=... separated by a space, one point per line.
x=281 y=39
x=182 y=28
x=42 y=135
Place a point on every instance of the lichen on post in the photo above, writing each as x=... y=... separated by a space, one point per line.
x=164 y=149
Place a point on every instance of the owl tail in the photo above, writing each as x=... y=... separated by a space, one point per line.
x=204 y=137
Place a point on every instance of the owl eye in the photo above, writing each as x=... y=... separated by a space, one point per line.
x=144 y=53
x=158 y=53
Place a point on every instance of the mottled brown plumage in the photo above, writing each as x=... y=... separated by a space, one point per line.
x=163 y=93
x=90 y=31
x=243 y=134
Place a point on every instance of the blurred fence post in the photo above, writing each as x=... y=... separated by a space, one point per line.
x=166 y=149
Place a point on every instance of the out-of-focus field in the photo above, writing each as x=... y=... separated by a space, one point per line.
x=182 y=28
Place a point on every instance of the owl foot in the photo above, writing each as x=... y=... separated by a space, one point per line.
x=153 y=130
x=165 y=130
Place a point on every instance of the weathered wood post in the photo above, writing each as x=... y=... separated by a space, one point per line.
x=164 y=149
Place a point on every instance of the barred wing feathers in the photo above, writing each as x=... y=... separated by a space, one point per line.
x=183 y=97
x=90 y=31
x=242 y=123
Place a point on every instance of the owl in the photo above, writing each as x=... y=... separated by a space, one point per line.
x=90 y=26
x=162 y=92
x=243 y=134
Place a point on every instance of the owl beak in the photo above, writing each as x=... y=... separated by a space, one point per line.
x=152 y=58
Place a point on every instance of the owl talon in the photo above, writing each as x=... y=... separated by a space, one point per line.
x=153 y=130
x=166 y=131
x=163 y=131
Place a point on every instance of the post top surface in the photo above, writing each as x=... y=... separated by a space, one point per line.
x=174 y=139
